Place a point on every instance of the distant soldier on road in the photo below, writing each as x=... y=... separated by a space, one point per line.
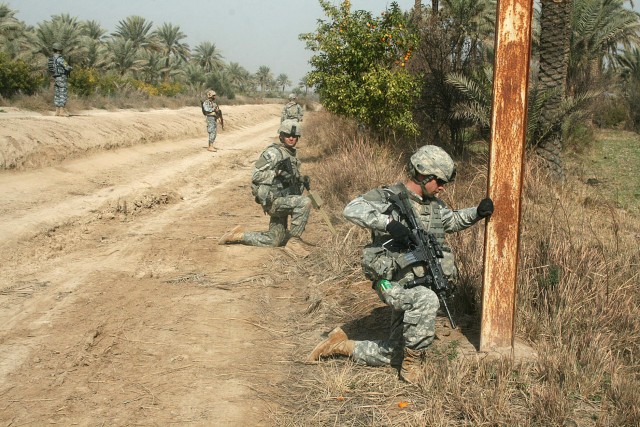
x=59 y=70
x=277 y=186
x=211 y=109
x=293 y=110
x=391 y=271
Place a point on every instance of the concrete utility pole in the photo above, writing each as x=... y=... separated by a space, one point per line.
x=508 y=132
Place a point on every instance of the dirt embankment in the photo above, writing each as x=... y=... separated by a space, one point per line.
x=29 y=140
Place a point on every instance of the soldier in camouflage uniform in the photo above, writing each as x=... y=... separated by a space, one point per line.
x=60 y=70
x=293 y=110
x=414 y=309
x=211 y=108
x=278 y=191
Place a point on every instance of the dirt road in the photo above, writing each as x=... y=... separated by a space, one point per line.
x=117 y=306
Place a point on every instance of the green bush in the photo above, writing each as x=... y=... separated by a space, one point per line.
x=84 y=81
x=18 y=77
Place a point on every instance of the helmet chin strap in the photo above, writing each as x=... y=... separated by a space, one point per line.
x=422 y=184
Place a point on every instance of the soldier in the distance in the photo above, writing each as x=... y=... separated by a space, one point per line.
x=293 y=110
x=210 y=108
x=59 y=70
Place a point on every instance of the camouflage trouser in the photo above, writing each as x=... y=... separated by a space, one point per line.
x=212 y=128
x=413 y=323
x=60 y=94
x=298 y=207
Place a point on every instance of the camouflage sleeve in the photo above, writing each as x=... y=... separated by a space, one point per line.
x=371 y=210
x=265 y=168
x=458 y=220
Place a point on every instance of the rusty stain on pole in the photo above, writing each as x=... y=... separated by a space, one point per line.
x=508 y=132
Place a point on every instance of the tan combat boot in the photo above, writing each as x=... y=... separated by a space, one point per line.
x=295 y=248
x=411 y=368
x=337 y=344
x=57 y=111
x=235 y=235
x=63 y=112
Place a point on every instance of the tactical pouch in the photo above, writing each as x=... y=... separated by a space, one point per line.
x=377 y=263
x=261 y=193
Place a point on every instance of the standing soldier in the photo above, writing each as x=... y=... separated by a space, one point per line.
x=292 y=111
x=60 y=70
x=394 y=274
x=277 y=186
x=211 y=109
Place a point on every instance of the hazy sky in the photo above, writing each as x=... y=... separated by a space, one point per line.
x=250 y=32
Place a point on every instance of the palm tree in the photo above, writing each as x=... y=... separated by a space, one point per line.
x=170 y=42
x=599 y=29
x=555 y=31
x=124 y=56
x=137 y=30
x=208 y=57
x=302 y=84
x=238 y=76
x=194 y=77
x=264 y=77
x=152 y=67
x=93 y=30
x=283 y=81
x=97 y=55
x=13 y=34
x=67 y=31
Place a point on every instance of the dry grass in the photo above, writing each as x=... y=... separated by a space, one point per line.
x=577 y=305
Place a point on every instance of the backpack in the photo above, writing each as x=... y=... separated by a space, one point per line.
x=202 y=106
x=51 y=66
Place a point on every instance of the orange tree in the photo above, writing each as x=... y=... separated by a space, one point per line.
x=358 y=66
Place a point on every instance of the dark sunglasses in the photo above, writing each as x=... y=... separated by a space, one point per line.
x=440 y=182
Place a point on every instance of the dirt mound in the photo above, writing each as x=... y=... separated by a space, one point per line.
x=28 y=140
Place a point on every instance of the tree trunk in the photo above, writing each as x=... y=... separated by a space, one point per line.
x=555 y=30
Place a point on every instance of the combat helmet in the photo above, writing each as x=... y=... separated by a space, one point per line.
x=292 y=96
x=289 y=127
x=211 y=93
x=430 y=161
x=57 y=47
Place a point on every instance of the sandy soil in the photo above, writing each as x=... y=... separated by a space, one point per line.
x=117 y=306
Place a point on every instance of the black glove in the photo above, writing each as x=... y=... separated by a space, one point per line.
x=485 y=208
x=398 y=231
x=286 y=176
x=306 y=181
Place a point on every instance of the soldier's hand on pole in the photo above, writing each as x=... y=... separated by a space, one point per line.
x=485 y=208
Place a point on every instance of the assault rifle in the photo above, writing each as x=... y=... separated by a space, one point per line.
x=425 y=250
x=290 y=184
x=316 y=200
x=219 y=117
